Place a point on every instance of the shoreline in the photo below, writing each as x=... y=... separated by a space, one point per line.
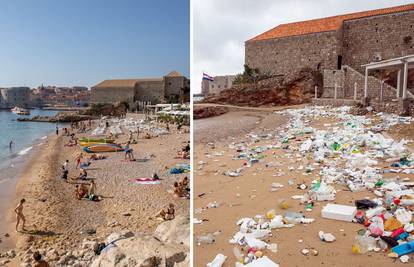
x=10 y=187
x=60 y=223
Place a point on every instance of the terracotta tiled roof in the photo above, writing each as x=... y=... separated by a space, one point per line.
x=324 y=24
x=124 y=83
x=174 y=74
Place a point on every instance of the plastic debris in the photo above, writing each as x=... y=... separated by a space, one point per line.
x=339 y=212
x=218 y=261
x=326 y=237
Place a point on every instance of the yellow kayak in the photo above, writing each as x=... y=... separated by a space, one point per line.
x=83 y=143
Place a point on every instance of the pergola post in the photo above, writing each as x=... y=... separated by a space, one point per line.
x=399 y=80
x=316 y=91
x=405 y=80
x=335 y=91
x=382 y=91
x=355 y=90
x=366 y=83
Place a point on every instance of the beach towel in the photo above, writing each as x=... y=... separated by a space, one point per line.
x=180 y=168
x=145 y=181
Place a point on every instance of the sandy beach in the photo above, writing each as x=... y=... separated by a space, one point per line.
x=249 y=194
x=58 y=223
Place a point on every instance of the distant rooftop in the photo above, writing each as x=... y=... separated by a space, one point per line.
x=174 y=74
x=324 y=24
x=128 y=83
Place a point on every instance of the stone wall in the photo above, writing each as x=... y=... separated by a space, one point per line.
x=112 y=95
x=334 y=102
x=15 y=96
x=219 y=84
x=346 y=79
x=281 y=56
x=150 y=91
x=330 y=78
x=377 y=38
x=174 y=87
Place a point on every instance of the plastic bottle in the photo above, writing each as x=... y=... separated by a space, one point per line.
x=362 y=244
x=238 y=254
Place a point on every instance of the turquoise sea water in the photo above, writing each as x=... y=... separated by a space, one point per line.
x=23 y=134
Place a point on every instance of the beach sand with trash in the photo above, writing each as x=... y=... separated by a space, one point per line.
x=220 y=200
x=58 y=223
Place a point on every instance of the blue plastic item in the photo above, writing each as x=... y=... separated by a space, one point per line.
x=404 y=249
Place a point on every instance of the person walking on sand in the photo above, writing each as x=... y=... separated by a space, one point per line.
x=78 y=160
x=19 y=215
x=65 y=164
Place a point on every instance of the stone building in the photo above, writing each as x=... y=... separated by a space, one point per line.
x=171 y=88
x=218 y=84
x=15 y=96
x=337 y=46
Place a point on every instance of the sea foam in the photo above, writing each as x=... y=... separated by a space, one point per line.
x=25 y=151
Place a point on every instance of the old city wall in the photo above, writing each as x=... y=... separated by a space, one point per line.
x=150 y=91
x=111 y=95
x=291 y=54
x=377 y=38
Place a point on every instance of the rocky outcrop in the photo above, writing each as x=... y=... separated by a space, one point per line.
x=64 y=116
x=291 y=89
x=168 y=246
x=206 y=112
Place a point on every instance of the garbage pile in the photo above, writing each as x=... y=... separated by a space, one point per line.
x=354 y=153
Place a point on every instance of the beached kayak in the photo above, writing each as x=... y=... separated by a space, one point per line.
x=99 y=148
x=96 y=140
x=84 y=144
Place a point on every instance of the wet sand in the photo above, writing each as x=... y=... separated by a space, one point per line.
x=249 y=195
x=56 y=219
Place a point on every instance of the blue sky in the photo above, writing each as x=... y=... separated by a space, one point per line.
x=82 y=42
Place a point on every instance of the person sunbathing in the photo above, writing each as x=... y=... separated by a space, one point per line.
x=82 y=174
x=167 y=214
x=80 y=192
x=185 y=184
x=92 y=188
x=97 y=157
x=72 y=142
x=179 y=192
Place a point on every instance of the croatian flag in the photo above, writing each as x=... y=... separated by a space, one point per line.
x=207 y=77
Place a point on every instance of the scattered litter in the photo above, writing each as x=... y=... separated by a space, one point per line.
x=339 y=212
x=326 y=237
x=218 y=261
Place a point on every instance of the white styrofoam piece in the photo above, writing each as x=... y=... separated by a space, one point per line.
x=262 y=262
x=218 y=261
x=339 y=212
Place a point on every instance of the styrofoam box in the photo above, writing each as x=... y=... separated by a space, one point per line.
x=339 y=212
x=262 y=262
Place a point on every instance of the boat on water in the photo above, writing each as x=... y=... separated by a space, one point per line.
x=20 y=111
x=100 y=148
